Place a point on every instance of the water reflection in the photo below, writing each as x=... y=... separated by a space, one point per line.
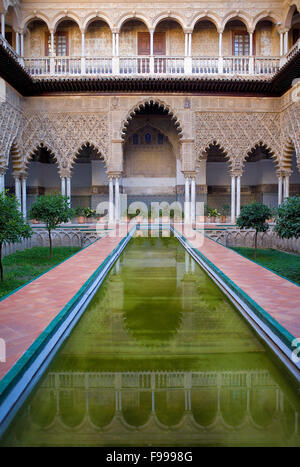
x=160 y=358
x=238 y=407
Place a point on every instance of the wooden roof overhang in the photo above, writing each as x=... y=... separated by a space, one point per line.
x=27 y=85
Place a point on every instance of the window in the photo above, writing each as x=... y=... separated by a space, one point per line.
x=147 y=138
x=241 y=43
x=160 y=138
x=60 y=44
x=159 y=43
x=135 y=139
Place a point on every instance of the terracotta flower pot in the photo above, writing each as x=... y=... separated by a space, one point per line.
x=80 y=219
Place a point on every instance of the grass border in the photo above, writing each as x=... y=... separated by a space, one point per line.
x=48 y=270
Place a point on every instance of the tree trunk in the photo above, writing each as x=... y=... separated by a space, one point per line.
x=1 y=265
x=50 y=243
x=255 y=245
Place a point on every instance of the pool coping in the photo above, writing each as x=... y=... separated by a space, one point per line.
x=272 y=332
x=19 y=380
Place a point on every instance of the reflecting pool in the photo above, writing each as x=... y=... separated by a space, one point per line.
x=162 y=358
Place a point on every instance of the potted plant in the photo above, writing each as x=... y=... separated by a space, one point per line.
x=212 y=214
x=224 y=212
x=89 y=214
x=79 y=211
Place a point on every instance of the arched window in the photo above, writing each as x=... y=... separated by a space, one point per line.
x=147 y=138
x=135 y=139
x=160 y=138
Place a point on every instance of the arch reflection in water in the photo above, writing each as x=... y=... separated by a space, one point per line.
x=160 y=357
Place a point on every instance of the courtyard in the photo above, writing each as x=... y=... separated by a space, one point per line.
x=149 y=225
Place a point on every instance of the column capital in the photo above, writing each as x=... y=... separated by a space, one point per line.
x=112 y=175
x=236 y=172
x=284 y=173
x=191 y=175
x=220 y=30
x=65 y=173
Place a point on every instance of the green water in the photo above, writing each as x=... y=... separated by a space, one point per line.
x=160 y=358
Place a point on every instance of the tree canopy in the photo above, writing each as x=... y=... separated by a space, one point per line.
x=13 y=227
x=288 y=218
x=52 y=209
x=255 y=216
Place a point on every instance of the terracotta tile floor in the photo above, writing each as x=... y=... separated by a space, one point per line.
x=279 y=297
x=27 y=312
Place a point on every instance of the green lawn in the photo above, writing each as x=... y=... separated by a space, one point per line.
x=285 y=264
x=23 y=266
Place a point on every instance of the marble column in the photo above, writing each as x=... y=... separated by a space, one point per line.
x=117 y=200
x=17 y=43
x=286 y=186
x=186 y=44
x=280 y=190
x=22 y=44
x=111 y=201
x=24 y=197
x=286 y=42
x=63 y=186
x=233 y=198
x=3 y=25
x=18 y=191
x=2 y=182
x=83 y=70
x=193 y=200
x=187 y=201
x=69 y=190
x=238 y=196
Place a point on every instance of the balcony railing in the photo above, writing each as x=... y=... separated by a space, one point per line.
x=70 y=66
x=145 y=65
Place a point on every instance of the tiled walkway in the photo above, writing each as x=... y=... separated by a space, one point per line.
x=27 y=312
x=279 y=297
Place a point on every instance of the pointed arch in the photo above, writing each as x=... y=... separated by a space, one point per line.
x=265 y=147
x=141 y=105
x=216 y=144
x=16 y=157
x=289 y=149
x=82 y=146
x=37 y=147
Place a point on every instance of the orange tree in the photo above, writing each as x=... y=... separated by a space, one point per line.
x=13 y=227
